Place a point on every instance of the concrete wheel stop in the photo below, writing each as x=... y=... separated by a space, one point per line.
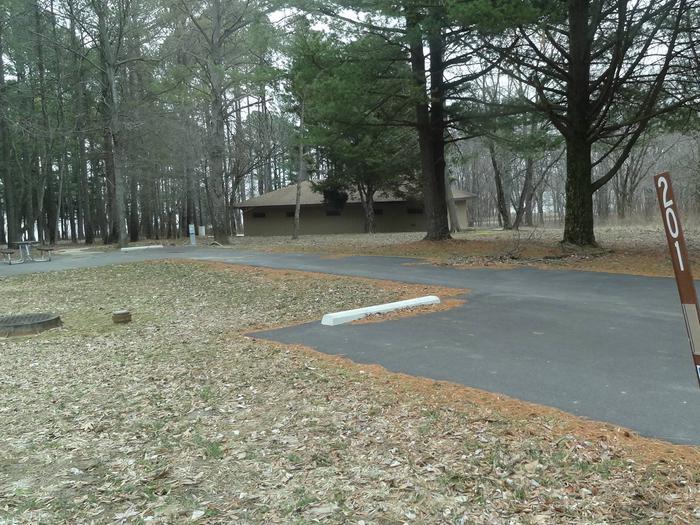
x=347 y=316
x=28 y=324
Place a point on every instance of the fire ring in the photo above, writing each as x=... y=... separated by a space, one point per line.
x=28 y=324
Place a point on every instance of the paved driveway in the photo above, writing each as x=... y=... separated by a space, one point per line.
x=607 y=347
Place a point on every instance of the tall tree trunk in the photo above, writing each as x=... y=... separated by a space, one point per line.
x=147 y=209
x=630 y=202
x=86 y=201
x=29 y=200
x=602 y=201
x=54 y=201
x=45 y=181
x=540 y=207
x=73 y=223
x=97 y=201
x=119 y=171
x=133 y=208
x=3 y=237
x=367 y=198
x=529 y=205
x=436 y=212
x=578 y=219
x=11 y=197
x=430 y=125
x=190 y=180
x=301 y=176
x=525 y=200
x=54 y=206
x=621 y=198
x=200 y=207
x=501 y=199
x=190 y=211
x=217 y=137
x=109 y=234
x=80 y=160
x=115 y=157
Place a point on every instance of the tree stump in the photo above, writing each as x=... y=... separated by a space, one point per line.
x=121 y=316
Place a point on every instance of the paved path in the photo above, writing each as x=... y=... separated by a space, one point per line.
x=607 y=347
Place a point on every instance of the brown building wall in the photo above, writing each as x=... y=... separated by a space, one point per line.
x=390 y=217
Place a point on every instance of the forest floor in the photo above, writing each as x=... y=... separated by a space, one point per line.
x=180 y=417
x=630 y=249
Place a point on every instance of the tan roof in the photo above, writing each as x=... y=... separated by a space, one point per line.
x=287 y=197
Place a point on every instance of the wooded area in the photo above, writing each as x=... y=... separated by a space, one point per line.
x=124 y=120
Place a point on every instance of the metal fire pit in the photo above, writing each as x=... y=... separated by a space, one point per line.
x=27 y=324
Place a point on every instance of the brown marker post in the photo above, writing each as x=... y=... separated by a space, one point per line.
x=681 y=263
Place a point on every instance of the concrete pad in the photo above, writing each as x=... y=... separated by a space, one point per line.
x=348 y=316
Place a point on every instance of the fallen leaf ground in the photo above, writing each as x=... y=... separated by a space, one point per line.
x=630 y=249
x=179 y=417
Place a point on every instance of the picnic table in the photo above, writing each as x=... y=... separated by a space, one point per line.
x=25 y=252
x=25 y=247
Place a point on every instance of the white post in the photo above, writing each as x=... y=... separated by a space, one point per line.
x=193 y=239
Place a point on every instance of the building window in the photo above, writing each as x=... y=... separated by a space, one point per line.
x=290 y=214
x=332 y=213
x=259 y=215
x=414 y=211
x=378 y=211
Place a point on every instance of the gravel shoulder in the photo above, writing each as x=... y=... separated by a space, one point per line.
x=179 y=417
